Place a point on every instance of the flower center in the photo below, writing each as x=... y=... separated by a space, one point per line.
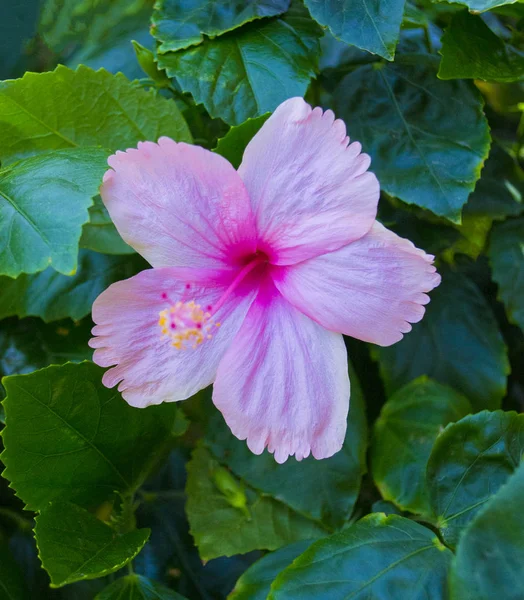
x=186 y=323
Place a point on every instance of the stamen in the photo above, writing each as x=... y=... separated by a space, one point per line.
x=187 y=324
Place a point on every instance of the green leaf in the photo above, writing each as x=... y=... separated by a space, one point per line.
x=53 y=296
x=250 y=71
x=498 y=193
x=255 y=583
x=321 y=490
x=506 y=254
x=471 y=459
x=373 y=26
x=100 y=234
x=69 y=438
x=393 y=109
x=30 y=344
x=179 y=24
x=12 y=584
x=44 y=202
x=74 y=545
x=18 y=21
x=461 y=342
x=233 y=144
x=220 y=529
x=379 y=557
x=404 y=434
x=490 y=555
x=137 y=587
x=66 y=109
x=481 y=5
x=470 y=50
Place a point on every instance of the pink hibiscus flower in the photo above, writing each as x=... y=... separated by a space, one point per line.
x=256 y=275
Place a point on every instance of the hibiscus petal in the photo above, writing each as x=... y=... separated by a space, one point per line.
x=283 y=382
x=371 y=289
x=310 y=191
x=128 y=336
x=179 y=205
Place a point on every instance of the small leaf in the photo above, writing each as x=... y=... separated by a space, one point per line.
x=100 y=234
x=12 y=584
x=392 y=110
x=70 y=438
x=74 y=545
x=66 y=109
x=379 y=557
x=249 y=71
x=179 y=24
x=137 y=587
x=44 y=202
x=321 y=490
x=481 y=5
x=53 y=296
x=404 y=434
x=490 y=555
x=255 y=583
x=373 y=26
x=506 y=254
x=221 y=529
x=471 y=459
x=233 y=144
x=470 y=50
x=463 y=347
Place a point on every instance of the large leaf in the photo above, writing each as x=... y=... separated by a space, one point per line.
x=462 y=346
x=506 y=253
x=384 y=558
x=470 y=50
x=179 y=24
x=18 y=21
x=223 y=529
x=393 y=110
x=490 y=555
x=44 y=202
x=65 y=109
x=255 y=583
x=322 y=490
x=372 y=26
x=250 y=71
x=404 y=434
x=137 y=587
x=74 y=545
x=233 y=144
x=53 y=296
x=471 y=459
x=70 y=438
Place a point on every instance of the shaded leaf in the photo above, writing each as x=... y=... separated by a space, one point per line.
x=250 y=71
x=392 y=110
x=404 y=434
x=373 y=26
x=322 y=490
x=221 y=529
x=470 y=50
x=18 y=22
x=255 y=583
x=462 y=346
x=100 y=234
x=65 y=109
x=490 y=555
x=44 y=202
x=482 y=5
x=53 y=296
x=506 y=253
x=137 y=587
x=12 y=584
x=379 y=557
x=179 y=24
x=233 y=144
x=471 y=459
x=70 y=438
x=74 y=545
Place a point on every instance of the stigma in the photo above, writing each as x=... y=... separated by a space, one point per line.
x=187 y=324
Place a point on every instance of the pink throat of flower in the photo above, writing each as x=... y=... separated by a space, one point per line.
x=186 y=323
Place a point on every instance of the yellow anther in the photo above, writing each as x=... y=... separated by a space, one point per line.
x=185 y=323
